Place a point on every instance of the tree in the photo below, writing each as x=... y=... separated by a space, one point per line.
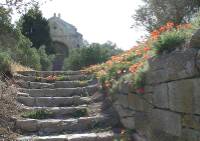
x=5 y=19
x=36 y=28
x=91 y=54
x=19 y=5
x=155 y=13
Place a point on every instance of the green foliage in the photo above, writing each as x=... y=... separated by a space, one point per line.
x=28 y=57
x=5 y=20
x=168 y=41
x=92 y=54
x=45 y=60
x=36 y=28
x=155 y=13
x=80 y=113
x=5 y=62
x=73 y=62
x=139 y=77
x=37 y=114
x=19 y=5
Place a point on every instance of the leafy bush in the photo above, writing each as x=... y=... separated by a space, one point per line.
x=168 y=41
x=45 y=60
x=28 y=57
x=5 y=62
x=80 y=113
x=73 y=62
x=38 y=114
x=92 y=54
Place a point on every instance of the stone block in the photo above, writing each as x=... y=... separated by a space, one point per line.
x=128 y=122
x=148 y=89
x=124 y=112
x=158 y=135
x=174 y=66
x=122 y=99
x=190 y=135
x=181 y=95
x=83 y=137
x=196 y=95
x=27 y=101
x=28 y=125
x=195 y=40
x=191 y=121
x=138 y=103
x=160 y=96
x=166 y=121
x=142 y=122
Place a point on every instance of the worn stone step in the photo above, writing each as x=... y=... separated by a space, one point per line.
x=103 y=136
x=60 y=92
x=34 y=85
x=57 y=112
x=74 y=84
x=53 y=101
x=57 y=126
x=45 y=79
x=57 y=84
x=47 y=73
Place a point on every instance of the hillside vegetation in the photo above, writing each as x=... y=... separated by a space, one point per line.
x=129 y=67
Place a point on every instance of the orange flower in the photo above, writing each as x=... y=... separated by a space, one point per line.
x=145 y=56
x=138 y=52
x=135 y=67
x=155 y=34
x=146 y=49
x=169 y=25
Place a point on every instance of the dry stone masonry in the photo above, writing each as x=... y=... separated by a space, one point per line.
x=70 y=106
x=170 y=108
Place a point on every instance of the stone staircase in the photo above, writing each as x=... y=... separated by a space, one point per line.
x=64 y=110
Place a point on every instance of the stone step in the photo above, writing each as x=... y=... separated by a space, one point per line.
x=60 y=78
x=57 y=84
x=60 y=92
x=103 y=136
x=57 y=112
x=74 y=84
x=53 y=101
x=34 y=85
x=47 y=73
x=58 y=126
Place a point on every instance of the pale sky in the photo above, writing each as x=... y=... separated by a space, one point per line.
x=99 y=20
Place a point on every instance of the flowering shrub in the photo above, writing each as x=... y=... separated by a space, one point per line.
x=134 y=61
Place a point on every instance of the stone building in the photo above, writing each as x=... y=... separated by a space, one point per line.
x=64 y=37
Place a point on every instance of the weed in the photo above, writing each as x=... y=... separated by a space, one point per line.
x=37 y=114
x=80 y=113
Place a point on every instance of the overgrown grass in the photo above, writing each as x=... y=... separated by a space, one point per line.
x=37 y=114
x=169 y=41
x=80 y=113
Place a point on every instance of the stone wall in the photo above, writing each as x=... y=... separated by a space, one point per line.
x=170 y=108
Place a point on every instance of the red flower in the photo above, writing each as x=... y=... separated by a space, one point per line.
x=140 y=90
x=162 y=29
